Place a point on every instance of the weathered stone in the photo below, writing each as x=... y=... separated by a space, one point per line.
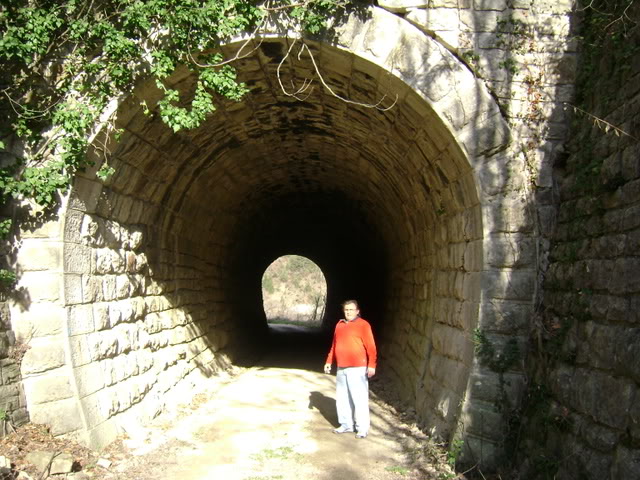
x=53 y=462
x=601 y=438
x=62 y=416
x=626 y=279
x=103 y=462
x=579 y=458
x=88 y=378
x=499 y=5
x=80 y=320
x=401 y=5
x=489 y=387
x=589 y=393
x=434 y=19
x=44 y=354
x=10 y=373
x=73 y=289
x=510 y=250
x=626 y=463
x=101 y=316
x=85 y=194
x=509 y=285
x=42 y=286
x=78 y=476
x=507 y=215
x=39 y=255
x=48 y=388
x=77 y=258
x=450 y=340
x=482 y=420
x=80 y=352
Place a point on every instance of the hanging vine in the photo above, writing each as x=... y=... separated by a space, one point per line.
x=64 y=62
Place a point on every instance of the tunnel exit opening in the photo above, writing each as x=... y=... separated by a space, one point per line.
x=294 y=292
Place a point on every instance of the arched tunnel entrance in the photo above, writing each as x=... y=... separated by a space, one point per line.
x=168 y=255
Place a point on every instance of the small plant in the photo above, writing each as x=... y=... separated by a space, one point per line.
x=105 y=172
x=280 y=453
x=510 y=65
x=6 y=426
x=5 y=228
x=513 y=34
x=470 y=56
x=446 y=476
x=7 y=278
x=397 y=469
x=455 y=448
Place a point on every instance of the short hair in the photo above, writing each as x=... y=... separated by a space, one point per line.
x=347 y=302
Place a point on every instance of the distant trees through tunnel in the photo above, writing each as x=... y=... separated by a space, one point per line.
x=294 y=291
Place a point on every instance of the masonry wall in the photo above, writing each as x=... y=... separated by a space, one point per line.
x=523 y=53
x=13 y=408
x=150 y=282
x=582 y=415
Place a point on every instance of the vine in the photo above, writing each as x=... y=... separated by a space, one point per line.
x=64 y=62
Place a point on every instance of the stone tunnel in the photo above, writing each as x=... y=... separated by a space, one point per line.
x=151 y=281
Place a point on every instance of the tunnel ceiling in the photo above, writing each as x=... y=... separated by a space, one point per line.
x=273 y=174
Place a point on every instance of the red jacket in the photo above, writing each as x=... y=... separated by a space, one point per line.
x=353 y=345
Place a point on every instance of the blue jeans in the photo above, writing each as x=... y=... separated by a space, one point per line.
x=352 y=398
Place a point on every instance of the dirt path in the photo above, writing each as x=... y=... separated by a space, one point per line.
x=275 y=423
x=271 y=421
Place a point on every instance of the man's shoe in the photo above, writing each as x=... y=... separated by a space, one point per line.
x=342 y=429
x=361 y=435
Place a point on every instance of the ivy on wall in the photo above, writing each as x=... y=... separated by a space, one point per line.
x=63 y=62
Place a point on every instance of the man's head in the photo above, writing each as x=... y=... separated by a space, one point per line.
x=351 y=310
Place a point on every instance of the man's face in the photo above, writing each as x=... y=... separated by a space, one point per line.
x=350 y=311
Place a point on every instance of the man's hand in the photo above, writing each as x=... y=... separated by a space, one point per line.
x=327 y=368
x=371 y=372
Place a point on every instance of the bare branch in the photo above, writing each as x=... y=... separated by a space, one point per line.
x=239 y=55
x=600 y=123
x=307 y=82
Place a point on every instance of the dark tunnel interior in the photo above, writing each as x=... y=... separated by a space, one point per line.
x=384 y=202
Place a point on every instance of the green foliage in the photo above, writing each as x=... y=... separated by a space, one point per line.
x=510 y=65
x=65 y=61
x=455 y=448
x=513 y=34
x=5 y=228
x=267 y=284
x=609 y=35
x=280 y=453
x=398 y=470
x=497 y=361
x=4 y=416
x=105 y=172
x=7 y=278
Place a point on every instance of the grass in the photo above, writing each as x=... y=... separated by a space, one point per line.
x=397 y=469
x=280 y=453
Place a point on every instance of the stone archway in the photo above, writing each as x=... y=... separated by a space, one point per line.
x=161 y=266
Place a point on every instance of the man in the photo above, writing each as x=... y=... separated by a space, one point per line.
x=354 y=350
